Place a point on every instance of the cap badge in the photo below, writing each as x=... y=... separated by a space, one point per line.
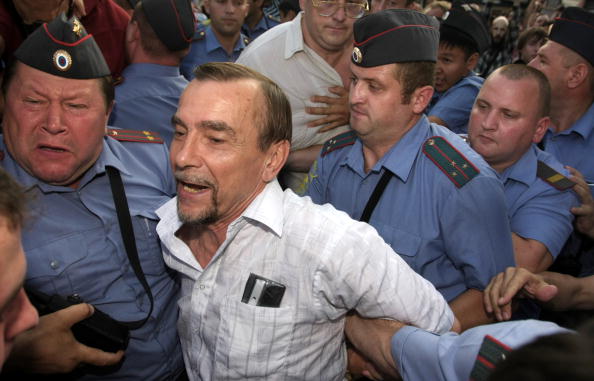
x=357 y=55
x=62 y=60
x=77 y=28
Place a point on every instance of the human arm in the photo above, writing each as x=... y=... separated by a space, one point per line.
x=584 y=213
x=301 y=160
x=50 y=347
x=556 y=291
x=531 y=254
x=336 y=112
x=468 y=309
x=437 y=120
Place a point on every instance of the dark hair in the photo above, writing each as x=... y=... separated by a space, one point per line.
x=413 y=75
x=563 y=356
x=517 y=72
x=530 y=34
x=275 y=121
x=105 y=83
x=149 y=40
x=12 y=200
x=453 y=38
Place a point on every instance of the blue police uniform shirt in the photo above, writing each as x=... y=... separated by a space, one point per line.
x=421 y=355
x=265 y=23
x=206 y=48
x=574 y=146
x=148 y=98
x=537 y=210
x=453 y=106
x=457 y=238
x=73 y=246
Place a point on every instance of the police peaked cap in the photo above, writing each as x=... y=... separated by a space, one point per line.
x=395 y=35
x=467 y=21
x=63 y=48
x=574 y=29
x=172 y=20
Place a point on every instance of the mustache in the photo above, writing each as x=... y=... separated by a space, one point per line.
x=188 y=178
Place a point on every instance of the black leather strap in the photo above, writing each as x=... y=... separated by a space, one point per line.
x=376 y=195
x=125 y=221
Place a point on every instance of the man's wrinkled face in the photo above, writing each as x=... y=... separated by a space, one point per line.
x=327 y=33
x=53 y=126
x=215 y=155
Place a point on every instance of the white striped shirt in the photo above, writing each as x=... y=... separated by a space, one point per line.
x=329 y=263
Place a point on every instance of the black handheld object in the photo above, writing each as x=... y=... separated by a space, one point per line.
x=262 y=292
x=98 y=331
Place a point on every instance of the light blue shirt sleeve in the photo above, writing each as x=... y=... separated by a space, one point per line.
x=420 y=355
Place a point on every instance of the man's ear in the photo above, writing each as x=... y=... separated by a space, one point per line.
x=276 y=158
x=541 y=128
x=577 y=75
x=472 y=61
x=421 y=98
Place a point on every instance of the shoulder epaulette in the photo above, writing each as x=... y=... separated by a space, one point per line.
x=199 y=35
x=491 y=352
x=451 y=162
x=339 y=141
x=134 y=136
x=554 y=178
x=118 y=81
x=275 y=19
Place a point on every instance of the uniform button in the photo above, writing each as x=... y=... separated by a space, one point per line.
x=54 y=264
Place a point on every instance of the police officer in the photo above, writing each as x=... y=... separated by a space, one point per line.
x=257 y=22
x=221 y=40
x=159 y=37
x=462 y=38
x=58 y=97
x=427 y=193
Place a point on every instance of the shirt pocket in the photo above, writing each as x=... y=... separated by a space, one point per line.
x=54 y=267
x=147 y=244
x=406 y=244
x=253 y=341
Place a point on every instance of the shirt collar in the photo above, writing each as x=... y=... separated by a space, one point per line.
x=266 y=209
x=400 y=158
x=106 y=158
x=152 y=70
x=294 y=35
x=583 y=126
x=523 y=170
x=213 y=44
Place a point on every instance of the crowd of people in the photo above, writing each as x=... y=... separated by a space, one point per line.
x=263 y=189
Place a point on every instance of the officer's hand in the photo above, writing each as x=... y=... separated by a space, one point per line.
x=584 y=213
x=51 y=347
x=336 y=112
x=515 y=282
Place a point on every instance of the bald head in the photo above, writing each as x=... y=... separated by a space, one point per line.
x=499 y=28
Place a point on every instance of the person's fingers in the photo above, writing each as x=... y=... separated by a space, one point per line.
x=73 y=314
x=331 y=126
x=339 y=90
x=318 y=110
x=97 y=357
x=325 y=99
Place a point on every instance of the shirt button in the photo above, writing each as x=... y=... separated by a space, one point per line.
x=54 y=264
x=202 y=287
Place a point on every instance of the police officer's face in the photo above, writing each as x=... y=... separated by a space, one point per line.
x=452 y=64
x=54 y=126
x=376 y=103
x=549 y=61
x=327 y=33
x=16 y=312
x=227 y=16
x=505 y=120
x=215 y=155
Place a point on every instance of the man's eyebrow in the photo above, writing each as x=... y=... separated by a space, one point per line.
x=218 y=125
x=176 y=121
